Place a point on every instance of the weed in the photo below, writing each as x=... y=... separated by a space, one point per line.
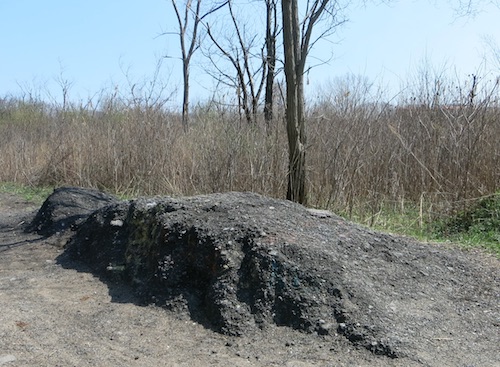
x=478 y=225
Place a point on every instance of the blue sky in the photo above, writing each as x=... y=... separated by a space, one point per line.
x=94 y=44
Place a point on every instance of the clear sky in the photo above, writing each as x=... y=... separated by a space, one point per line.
x=95 y=43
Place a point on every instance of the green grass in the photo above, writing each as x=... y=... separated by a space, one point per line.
x=476 y=226
x=36 y=195
x=392 y=217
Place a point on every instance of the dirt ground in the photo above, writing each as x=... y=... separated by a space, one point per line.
x=56 y=316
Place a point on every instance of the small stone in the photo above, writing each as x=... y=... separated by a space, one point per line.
x=7 y=358
x=117 y=223
x=320 y=213
x=324 y=328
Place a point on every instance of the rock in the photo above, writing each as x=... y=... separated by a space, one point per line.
x=67 y=207
x=325 y=328
x=6 y=359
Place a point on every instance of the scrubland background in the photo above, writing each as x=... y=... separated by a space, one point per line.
x=428 y=152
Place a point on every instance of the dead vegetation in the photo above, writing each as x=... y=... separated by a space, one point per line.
x=435 y=148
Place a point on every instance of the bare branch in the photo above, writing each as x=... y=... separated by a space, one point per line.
x=187 y=52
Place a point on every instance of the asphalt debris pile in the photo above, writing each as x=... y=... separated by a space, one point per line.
x=240 y=262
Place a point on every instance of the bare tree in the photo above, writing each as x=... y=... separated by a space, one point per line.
x=272 y=30
x=188 y=47
x=249 y=64
x=472 y=7
x=297 y=42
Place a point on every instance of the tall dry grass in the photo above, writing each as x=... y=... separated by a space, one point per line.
x=436 y=147
x=137 y=149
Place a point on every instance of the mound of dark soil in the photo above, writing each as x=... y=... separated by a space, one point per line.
x=238 y=262
x=66 y=207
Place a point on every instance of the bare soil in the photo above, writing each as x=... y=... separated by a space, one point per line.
x=55 y=313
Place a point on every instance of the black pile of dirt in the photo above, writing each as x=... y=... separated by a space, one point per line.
x=239 y=262
x=67 y=207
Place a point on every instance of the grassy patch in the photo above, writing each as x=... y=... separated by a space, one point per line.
x=399 y=217
x=36 y=195
x=477 y=226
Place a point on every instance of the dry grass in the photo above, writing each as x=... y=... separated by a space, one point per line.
x=434 y=152
x=138 y=150
x=431 y=151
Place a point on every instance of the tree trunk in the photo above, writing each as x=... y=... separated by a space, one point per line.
x=294 y=103
x=271 y=33
x=187 y=53
x=185 y=102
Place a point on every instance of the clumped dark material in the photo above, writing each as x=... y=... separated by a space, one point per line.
x=66 y=207
x=240 y=262
x=236 y=262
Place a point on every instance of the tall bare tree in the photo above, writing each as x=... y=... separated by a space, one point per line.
x=297 y=42
x=272 y=30
x=189 y=44
x=254 y=69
